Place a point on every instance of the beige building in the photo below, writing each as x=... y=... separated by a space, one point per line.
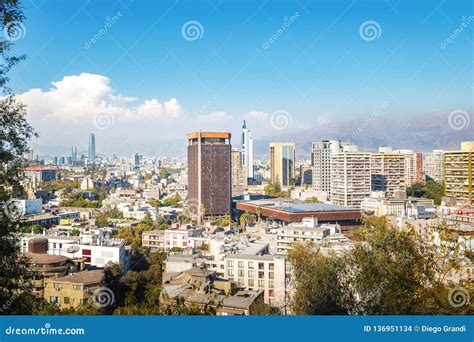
x=350 y=178
x=154 y=240
x=237 y=173
x=388 y=172
x=73 y=290
x=282 y=163
x=458 y=173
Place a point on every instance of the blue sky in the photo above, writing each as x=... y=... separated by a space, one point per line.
x=319 y=69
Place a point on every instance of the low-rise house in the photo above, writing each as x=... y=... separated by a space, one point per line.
x=74 y=290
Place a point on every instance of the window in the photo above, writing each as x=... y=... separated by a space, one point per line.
x=230 y=273
x=251 y=265
x=57 y=286
x=66 y=300
x=241 y=264
x=241 y=281
x=77 y=287
x=261 y=283
x=251 y=274
x=261 y=274
x=54 y=299
x=84 y=301
x=271 y=266
x=271 y=293
x=251 y=283
x=271 y=275
x=241 y=273
x=270 y=284
x=261 y=266
x=230 y=263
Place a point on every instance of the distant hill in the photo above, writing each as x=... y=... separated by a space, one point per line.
x=421 y=133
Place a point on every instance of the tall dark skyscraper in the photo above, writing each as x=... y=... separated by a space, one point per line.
x=209 y=172
x=91 y=148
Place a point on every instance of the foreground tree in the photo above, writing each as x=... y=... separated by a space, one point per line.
x=15 y=132
x=388 y=272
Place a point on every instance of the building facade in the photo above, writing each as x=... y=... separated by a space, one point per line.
x=282 y=163
x=247 y=152
x=433 y=165
x=350 y=178
x=237 y=173
x=458 y=173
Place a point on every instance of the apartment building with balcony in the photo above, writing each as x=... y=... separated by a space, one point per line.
x=350 y=178
x=459 y=174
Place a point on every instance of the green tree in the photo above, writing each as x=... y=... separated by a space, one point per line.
x=15 y=133
x=390 y=273
x=246 y=219
x=431 y=189
x=315 y=280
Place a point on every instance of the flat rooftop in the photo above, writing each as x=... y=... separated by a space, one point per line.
x=297 y=206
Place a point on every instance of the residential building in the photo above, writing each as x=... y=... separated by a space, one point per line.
x=388 y=171
x=282 y=163
x=259 y=272
x=154 y=240
x=209 y=172
x=350 y=178
x=321 y=162
x=74 y=290
x=283 y=239
x=459 y=174
x=433 y=165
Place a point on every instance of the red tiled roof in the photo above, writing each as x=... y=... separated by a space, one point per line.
x=40 y=168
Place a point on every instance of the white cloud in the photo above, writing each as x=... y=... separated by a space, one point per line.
x=215 y=117
x=77 y=99
x=257 y=116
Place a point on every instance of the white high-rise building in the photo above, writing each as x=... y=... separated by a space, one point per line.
x=321 y=161
x=350 y=178
x=247 y=151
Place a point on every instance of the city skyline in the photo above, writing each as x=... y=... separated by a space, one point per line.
x=301 y=68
